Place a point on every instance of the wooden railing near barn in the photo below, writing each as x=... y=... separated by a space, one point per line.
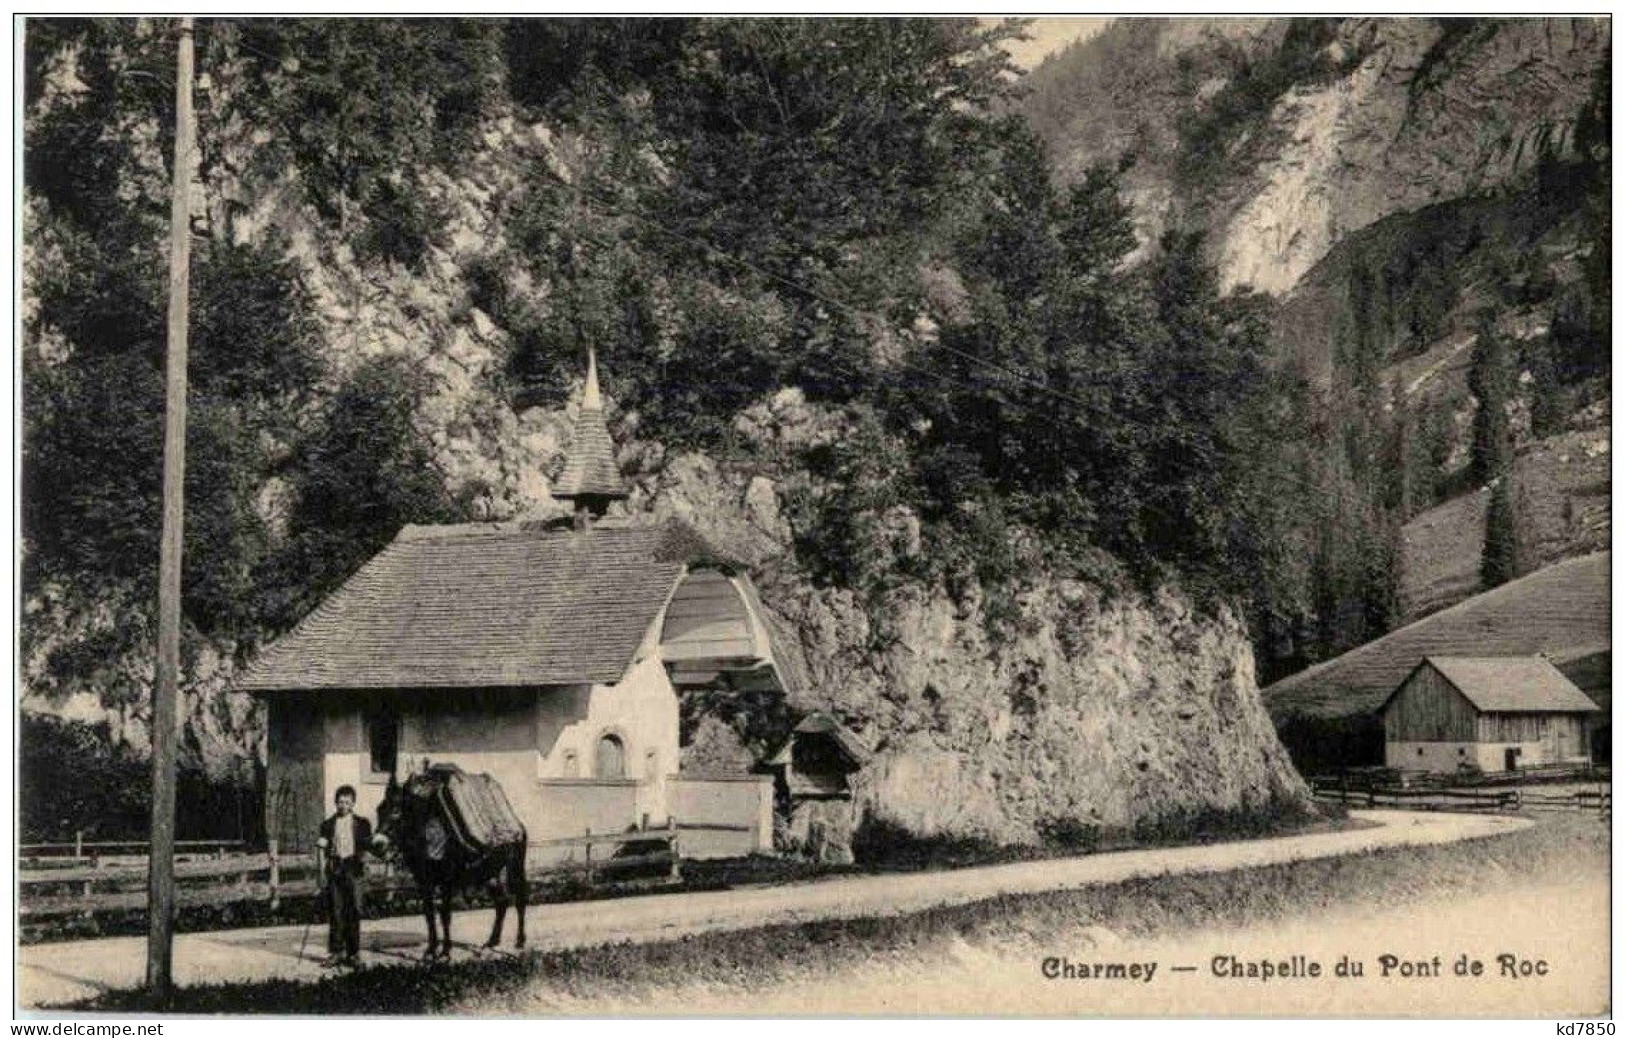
x=1424 y=798
x=84 y=883
x=1418 y=799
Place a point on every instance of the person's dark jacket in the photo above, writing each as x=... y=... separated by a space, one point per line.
x=355 y=864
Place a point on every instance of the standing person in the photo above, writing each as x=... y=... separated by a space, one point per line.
x=344 y=838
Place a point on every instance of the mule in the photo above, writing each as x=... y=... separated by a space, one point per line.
x=413 y=824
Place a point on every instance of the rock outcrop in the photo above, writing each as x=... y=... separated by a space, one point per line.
x=1091 y=708
x=1399 y=114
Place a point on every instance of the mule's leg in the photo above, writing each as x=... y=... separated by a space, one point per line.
x=445 y=922
x=519 y=887
x=499 y=898
x=426 y=894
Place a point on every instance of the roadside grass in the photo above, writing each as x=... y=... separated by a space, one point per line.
x=761 y=957
x=878 y=848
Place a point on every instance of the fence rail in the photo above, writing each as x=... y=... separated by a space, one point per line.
x=48 y=889
x=1585 y=801
x=80 y=849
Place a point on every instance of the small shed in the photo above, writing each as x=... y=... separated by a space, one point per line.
x=813 y=789
x=1497 y=713
x=818 y=759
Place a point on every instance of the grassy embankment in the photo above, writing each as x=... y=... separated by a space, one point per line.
x=768 y=955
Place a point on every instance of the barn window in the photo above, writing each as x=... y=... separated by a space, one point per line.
x=610 y=760
x=383 y=741
x=572 y=768
x=651 y=766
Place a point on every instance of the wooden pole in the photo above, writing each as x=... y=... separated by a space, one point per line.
x=160 y=860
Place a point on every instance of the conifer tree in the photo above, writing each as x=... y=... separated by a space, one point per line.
x=1491 y=379
x=1500 y=561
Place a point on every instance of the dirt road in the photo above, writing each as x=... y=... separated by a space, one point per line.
x=1555 y=932
x=55 y=973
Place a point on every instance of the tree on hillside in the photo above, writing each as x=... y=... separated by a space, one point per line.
x=1492 y=380
x=1385 y=576
x=364 y=108
x=1502 y=557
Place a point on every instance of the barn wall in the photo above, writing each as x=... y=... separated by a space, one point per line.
x=1512 y=728
x=1427 y=708
x=1555 y=737
x=1487 y=756
x=1448 y=757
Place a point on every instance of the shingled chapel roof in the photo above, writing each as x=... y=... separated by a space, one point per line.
x=489 y=604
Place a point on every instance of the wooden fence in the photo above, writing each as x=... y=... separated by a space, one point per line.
x=1585 y=801
x=87 y=883
x=80 y=850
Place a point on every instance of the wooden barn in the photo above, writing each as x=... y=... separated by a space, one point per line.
x=1489 y=713
x=542 y=653
x=1327 y=715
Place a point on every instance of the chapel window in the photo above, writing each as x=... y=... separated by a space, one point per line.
x=610 y=760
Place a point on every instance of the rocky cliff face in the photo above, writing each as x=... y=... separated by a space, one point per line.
x=1391 y=115
x=1408 y=126
x=1092 y=708
x=1398 y=185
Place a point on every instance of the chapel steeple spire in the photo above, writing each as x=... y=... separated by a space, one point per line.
x=590 y=479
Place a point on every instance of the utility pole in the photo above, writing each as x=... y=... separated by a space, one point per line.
x=161 y=857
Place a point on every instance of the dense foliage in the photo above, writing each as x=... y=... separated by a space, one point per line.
x=268 y=433
x=71 y=780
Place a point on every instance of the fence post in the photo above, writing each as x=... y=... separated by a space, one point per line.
x=275 y=879
x=676 y=852
x=588 y=848
x=78 y=844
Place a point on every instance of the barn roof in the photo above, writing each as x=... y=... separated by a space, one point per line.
x=489 y=604
x=1511 y=684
